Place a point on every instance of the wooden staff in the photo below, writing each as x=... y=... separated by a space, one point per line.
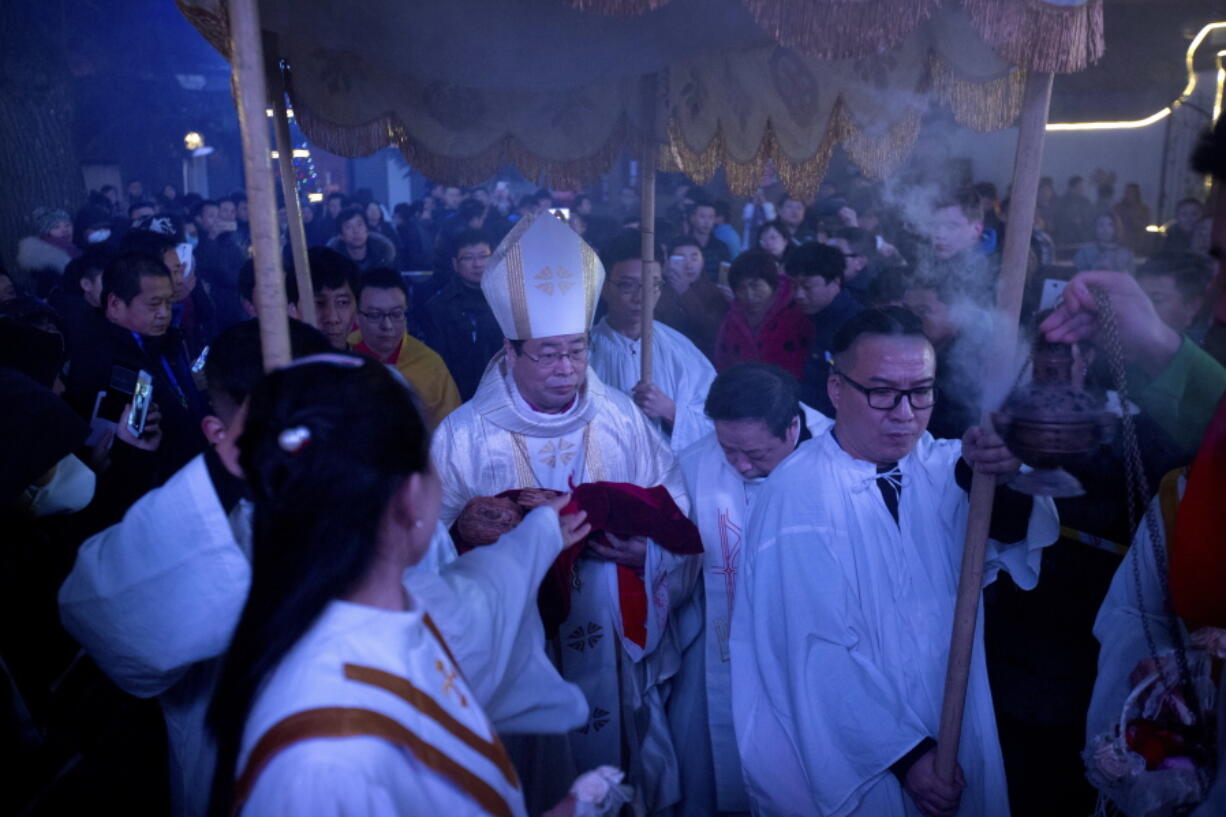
x=999 y=365
x=251 y=99
x=647 y=222
x=293 y=207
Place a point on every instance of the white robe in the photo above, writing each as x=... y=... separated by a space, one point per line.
x=841 y=631
x=677 y=368
x=494 y=443
x=722 y=501
x=155 y=599
x=366 y=775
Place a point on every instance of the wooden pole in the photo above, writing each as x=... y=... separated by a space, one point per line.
x=647 y=222
x=998 y=373
x=293 y=207
x=251 y=98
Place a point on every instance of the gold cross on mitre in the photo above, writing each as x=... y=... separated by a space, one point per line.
x=543 y=280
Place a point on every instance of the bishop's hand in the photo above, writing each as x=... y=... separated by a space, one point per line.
x=933 y=796
x=630 y=551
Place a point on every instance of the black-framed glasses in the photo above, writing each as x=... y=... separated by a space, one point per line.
x=883 y=398
x=550 y=359
x=375 y=316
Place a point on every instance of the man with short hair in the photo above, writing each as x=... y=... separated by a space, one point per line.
x=542 y=418
x=817 y=274
x=859 y=248
x=955 y=253
x=1176 y=284
x=136 y=303
x=383 y=301
x=841 y=625
x=792 y=214
x=680 y=374
x=246 y=290
x=355 y=241
x=1178 y=233
x=758 y=423
x=218 y=260
x=701 y=228
x=459 y=323
x=334 y=278
x=690 y=302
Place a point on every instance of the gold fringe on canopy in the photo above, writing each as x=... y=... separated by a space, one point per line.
x=362 y=140
x=878 y=155
x=1039 y=36
x=840 y=29
x=981 y=106
x=875 y=155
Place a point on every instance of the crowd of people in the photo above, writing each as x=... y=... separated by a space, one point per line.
x=352 y=546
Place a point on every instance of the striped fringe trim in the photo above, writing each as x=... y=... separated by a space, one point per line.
x=1039 y=36
x=981 y=106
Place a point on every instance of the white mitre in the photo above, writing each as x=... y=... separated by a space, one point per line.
x=543 y=280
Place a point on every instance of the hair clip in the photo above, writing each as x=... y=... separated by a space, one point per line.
x=293 y=439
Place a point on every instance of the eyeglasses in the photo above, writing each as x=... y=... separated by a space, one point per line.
x=629 y=286
x=548 y=360
x=375 y=316
x=468 y=259
x=886 y=399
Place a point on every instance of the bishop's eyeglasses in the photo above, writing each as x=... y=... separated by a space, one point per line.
x=886 y=399
x=547 y=360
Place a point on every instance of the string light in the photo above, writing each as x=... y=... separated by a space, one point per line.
x=1189 y=60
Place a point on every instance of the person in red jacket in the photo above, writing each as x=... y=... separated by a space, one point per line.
x=764 y=325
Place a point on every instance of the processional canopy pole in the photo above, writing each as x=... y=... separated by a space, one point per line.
x=999 y=364
x=251 y=98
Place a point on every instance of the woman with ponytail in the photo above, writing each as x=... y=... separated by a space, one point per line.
x=340 y=693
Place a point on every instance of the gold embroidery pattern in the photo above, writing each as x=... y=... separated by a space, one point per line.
x=449 y=682
x=516 y=286
x=547 y=279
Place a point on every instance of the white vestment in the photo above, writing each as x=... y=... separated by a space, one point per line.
x=841 y=630
x=155 y=599
x=722 y=500
x=416 y=685
x=496 y=442
x=677 y=368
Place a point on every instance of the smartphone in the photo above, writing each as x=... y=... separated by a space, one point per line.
x=1053 y=288
x=184 y=252
x=676 y=262
x=142 y=396
x=561 y=212
x=724 y=268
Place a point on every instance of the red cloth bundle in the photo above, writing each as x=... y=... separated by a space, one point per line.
x=1198 y=548
x=618 y=508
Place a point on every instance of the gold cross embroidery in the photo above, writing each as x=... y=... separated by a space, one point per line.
x=545 y=280
x=449 y=682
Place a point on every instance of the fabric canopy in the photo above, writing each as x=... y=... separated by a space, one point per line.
x=558 y=87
